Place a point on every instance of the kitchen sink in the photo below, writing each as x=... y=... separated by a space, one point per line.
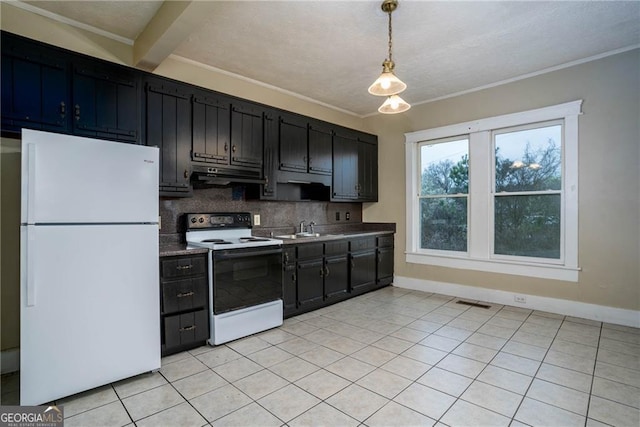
x=305 y=236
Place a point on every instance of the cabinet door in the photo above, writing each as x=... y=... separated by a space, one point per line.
x=384 y=266
x=168 y=120
x=320 y=149
x=246 y=135
x=293 y=143
x=310 y=282
x=289 y=294
x=363 y=271
x=336 y=277
x=35 y=87
x=211 y=133
x=367 y=171
x=345 y=168
x=268 y=190
x=106 y=101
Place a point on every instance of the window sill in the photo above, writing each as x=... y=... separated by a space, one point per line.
x=546 y=271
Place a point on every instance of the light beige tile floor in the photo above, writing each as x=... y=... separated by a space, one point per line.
x=390 y=357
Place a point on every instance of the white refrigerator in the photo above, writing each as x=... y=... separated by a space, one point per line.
x=90 y=309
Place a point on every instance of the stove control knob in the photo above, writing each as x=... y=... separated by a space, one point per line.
x=201 y=220
x=193 y=220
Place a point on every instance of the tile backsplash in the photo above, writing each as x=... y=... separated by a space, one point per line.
x=281 y=215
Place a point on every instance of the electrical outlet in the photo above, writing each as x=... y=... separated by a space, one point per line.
x=520 y=299
x=347 y=216
x=337 y=216
x=256 y=219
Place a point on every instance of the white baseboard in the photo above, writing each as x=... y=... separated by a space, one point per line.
x=10 y=360
x=596 y=312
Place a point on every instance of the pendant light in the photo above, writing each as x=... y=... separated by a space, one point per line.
x=388 y=84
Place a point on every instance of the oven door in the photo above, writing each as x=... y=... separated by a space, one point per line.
x=246 y=277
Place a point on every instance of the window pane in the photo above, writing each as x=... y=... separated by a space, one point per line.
x=529 y=160
x=443 y=223
x=445 y=168
x=528 y=226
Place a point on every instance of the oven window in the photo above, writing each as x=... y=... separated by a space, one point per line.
x=246 y=277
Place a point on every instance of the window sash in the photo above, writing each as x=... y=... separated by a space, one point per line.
x=481 y=196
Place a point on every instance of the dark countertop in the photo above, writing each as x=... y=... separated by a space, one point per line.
x=175 y=249
x=328 y=237
x=169 y=246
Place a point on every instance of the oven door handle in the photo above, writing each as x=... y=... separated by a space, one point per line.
x=231 y=254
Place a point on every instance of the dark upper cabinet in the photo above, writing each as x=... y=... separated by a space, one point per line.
x=211 y=129
x=270 y=155
x=293 y=143
x=168 y=126
x=320 y=148
x=345 y=167
x=106 y=101
x=246 y=135
x=355 y=166
x=305 y=145
x=35 y=86
x=367 y=168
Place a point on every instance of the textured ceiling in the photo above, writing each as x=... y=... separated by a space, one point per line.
x=331 y=51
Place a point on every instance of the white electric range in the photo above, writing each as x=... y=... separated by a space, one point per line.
x=245 y=275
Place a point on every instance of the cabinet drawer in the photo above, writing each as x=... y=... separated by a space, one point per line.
x=340 y=247
x=313 y=250
x=185 y=294
x=172 y=267
x=362 y=244
x=385 y=242
x=186 y=328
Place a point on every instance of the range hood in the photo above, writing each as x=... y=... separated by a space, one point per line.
x=203 y=176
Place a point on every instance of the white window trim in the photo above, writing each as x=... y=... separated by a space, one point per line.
x=479 y=255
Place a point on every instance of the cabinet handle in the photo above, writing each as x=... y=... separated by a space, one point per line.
x=185 y=294
x=188 y=328
x=326 y=272
x=233 y=148
x=294 y=277
x=353 y=264
x=184 y=267
x=321 y=272
x=63 y=109
x=77 y=111
x=186 y=173
x=226 y=147
x=286 y=258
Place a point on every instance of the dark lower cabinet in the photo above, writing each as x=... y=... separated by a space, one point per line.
x=168 y=126
x=310 y=272
x=184 y=294
x=320 y=274
x=384 y=261
x=336 y=270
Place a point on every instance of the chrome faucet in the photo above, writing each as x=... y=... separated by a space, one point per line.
x=301 y=226
x=311 y=224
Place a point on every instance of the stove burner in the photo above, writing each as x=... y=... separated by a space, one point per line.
x=252 y=239
x=216 y=241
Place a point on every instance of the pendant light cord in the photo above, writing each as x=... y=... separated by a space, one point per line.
x=390 y=40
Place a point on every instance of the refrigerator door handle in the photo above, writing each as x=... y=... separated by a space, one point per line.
x=29 y=272
x=31 y=184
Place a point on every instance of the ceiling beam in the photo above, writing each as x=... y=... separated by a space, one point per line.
x=169 y=27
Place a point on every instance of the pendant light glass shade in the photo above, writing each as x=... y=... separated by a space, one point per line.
x=393 y=105
x=387 y=84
